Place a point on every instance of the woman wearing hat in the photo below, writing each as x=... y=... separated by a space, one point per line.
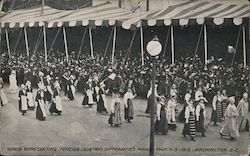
x=22 y=99
x=230 y=125
x=101 y=99
x=40 y=99
x=128 y=105
x=88 y=95
x=200 y=116
x=56 y=106
x=171 y=112
x=115 y=116
x=3 y=98
x=13 y=82
x=189 y=126
x=30 y=98
x=161 y=124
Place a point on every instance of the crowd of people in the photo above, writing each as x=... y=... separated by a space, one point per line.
x=188 y=82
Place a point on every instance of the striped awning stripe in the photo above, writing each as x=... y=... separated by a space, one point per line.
x=107 y=13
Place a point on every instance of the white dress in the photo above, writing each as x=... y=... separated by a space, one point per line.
x=13 y=82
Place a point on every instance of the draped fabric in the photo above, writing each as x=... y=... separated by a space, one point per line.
x=184 y=12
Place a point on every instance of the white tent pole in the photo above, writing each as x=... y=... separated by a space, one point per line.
x=142 y=49
x=113 y=48
x=45 y=44
x=205 y=43
x=26 y=41
x=91 y=43
x=172 y=43
x=244 y=46
x=7 y=41
x=65 y=44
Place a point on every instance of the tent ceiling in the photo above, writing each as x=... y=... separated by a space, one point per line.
x=107 y=13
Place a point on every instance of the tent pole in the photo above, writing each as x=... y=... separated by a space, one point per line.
x=172 y=43
x=142 y=49
x=45 y=44
x=106 y=49
x=113 y=48
x=57 y=33
x=205 y=43
x=65 y=44
x=26 y=41
x=91 y=43
x=83 y=38
x=7 y=41
x=244 y=46
x=17 y=41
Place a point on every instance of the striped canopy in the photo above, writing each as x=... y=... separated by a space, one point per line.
x=182 y=12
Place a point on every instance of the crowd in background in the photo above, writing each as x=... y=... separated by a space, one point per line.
x=189 y=73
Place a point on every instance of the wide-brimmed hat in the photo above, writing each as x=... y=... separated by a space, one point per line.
x=41 y=86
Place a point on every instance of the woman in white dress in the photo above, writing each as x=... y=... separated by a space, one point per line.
x=13 y=82
x=230 y=125
x=3 y=98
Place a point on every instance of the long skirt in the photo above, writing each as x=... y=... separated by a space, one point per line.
x=200 y=127
x=87 y=101
x=3 y=97
x=23 y=106
x=71 y=93
x=219 y=112
x=31 y=105
x=189 y=128
x=230 y=128
x=162 y=124
x=224 y=105
x=53 y=109
x=40 y=111
x=100 y=106
x=115 y=118
x=181 y=117
x=214 y=116
x=242 y=123
x=129 y=112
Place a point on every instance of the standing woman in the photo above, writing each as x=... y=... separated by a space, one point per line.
x=224 y=103
x=31 y=104
x=230 y=126
x=40 y=99
x=242 y=119
x=48 y=92
x=161 y=124
x=189 y=126
x=71 y=87
x=115 y=116
x=13 y=82
x=171 y=109
x=88 y=95
x=56 y=106
x=128 y=105
x=200 y=116
x=22 y=99
x=216 y=109
x=3 y=98
x=101 y=99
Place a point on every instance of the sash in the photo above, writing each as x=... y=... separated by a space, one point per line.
x=41 y=104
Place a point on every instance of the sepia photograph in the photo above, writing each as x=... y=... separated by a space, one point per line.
x=124 y=77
